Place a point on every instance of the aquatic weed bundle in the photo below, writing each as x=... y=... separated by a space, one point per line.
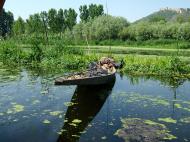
x=155 y=65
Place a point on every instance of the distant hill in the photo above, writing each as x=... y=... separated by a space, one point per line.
x=169 y=15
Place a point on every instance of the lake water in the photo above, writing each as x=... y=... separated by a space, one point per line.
x=32 y=109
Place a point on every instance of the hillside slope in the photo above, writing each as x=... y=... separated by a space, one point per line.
x=169 y=15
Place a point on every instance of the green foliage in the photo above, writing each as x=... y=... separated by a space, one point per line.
x=157 y=18
x=95 y=10
x=168 y=15
x=6 y=23
x=34 y=24
x=164 y=66
x=19 y=27
x=70 y=18
x=107 y=27
x=84 y=13
x=180 y=19
x=184 y=31
x=11 y=53
x=37 y=52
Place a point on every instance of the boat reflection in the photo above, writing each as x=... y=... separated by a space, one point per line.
x=87 y=102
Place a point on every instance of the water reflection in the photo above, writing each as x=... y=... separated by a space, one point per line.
x=87 y=102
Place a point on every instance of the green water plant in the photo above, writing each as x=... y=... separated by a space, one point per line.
x=167 y=120
x=140 y=130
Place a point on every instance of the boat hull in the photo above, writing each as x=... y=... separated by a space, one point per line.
x=98 y=80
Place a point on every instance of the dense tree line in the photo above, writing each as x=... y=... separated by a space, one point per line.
x=94 y=25
x=160 y=30
x=89 y=13
x=55 y=21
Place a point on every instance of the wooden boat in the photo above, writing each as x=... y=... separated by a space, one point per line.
x=95 y=80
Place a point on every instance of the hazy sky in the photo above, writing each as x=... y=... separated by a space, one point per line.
x=130 y=9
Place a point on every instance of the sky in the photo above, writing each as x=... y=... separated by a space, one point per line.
x=132 y=10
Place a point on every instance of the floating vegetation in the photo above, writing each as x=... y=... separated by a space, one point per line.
x=144 y=100
x=76 y=136
x=167 y=120
x=178 y=106
x=15 y=108
x=185 y=120
x=61 y=131
x=140 y=130
x=46 y=121
x=35 y=102
x=83 y=132
x=69 y=104
x=45 y=92
x=55 y=113
x=76 y=121
x=65 y=121
x=104 y=138
x=186 y=109
x=73 y=124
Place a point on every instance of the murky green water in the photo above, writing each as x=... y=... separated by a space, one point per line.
x=32 y=109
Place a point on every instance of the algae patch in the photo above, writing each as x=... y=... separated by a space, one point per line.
x=140 y=130
x=69 y=104
x=167 y=120
x=46 y=121
x=185 y=120
x=76 y=121
x=55 y=113
x=15 y=109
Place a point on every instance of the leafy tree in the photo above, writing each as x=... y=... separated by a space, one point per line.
x=34 y=24
x=180 y=19
x=70 y=18
x=77 y=31
x=61 y=21
x=6 y=23
x=170 y=31
x=52 y=17
x=184 y=31
x=95 y=10
x=157 y=18
x=105 y=27
x=44 y=19
x=19 y=26
x=143 y=32
x=84 y=13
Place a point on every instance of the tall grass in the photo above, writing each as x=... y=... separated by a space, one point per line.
x=58 y=57
x=61 y=57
